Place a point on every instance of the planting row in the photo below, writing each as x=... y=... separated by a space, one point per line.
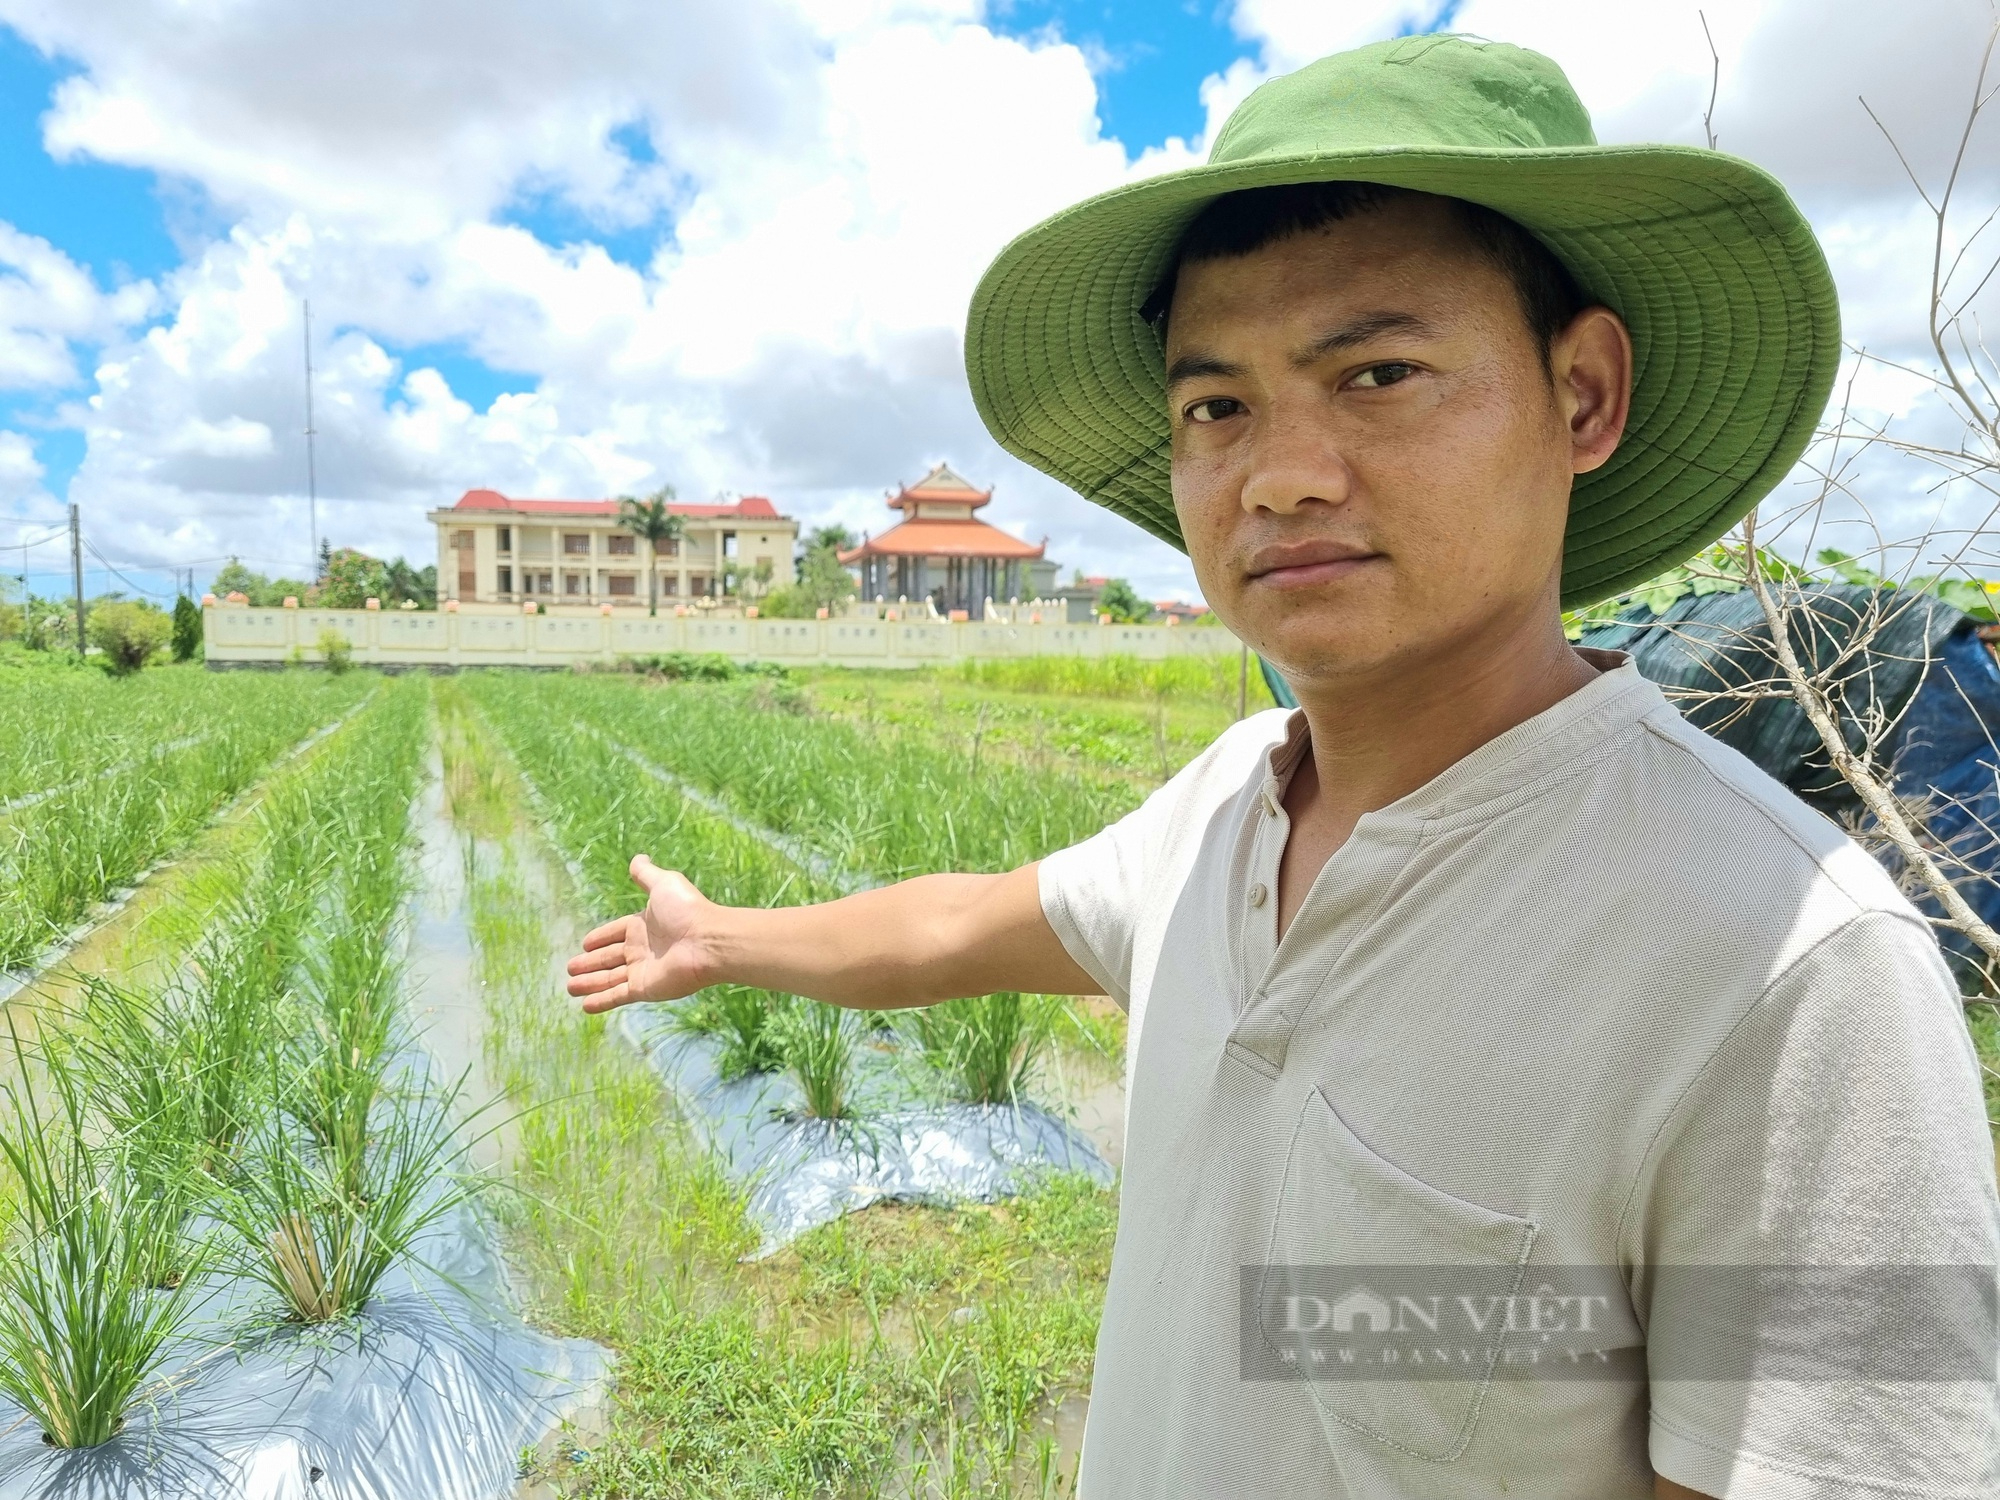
x=911 y=1353
x=76 y=841
x=886 y=807
x=243 y=1121
x=57 y=728
x=602 y=806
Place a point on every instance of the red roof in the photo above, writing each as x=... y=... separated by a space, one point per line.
x=750 y=506
x=942 y=486
x=967 y=538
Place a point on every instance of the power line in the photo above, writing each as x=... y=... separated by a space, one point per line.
x=113 y=571
x=56 y=534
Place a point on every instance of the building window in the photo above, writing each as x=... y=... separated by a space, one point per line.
x=728 y=544
x=624 y=585
x=573 y=583
x=620 y=544
x=576 y=543
x=670 y=585
x=506 y=539
x=506 y=580
x=671 y=547
x=697 y=584
x=468 y=578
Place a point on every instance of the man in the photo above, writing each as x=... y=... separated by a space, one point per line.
x=1483 y=973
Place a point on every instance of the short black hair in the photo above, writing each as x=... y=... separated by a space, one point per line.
x=1244 y=222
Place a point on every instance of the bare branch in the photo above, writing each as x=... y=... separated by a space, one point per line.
x=1714 y=81
x=1873 y=792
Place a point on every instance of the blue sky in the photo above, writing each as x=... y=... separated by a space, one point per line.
x=1151 y=58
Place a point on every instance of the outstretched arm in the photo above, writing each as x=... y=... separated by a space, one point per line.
x=933 y=938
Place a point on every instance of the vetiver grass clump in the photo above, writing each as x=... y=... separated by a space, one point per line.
x=985 y=1049
x=83 y=1327
x=743 y=1021
x=321 y=1228
x=817 y=1043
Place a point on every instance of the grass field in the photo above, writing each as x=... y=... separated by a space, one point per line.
x=214 y=1047
x=216 y=1050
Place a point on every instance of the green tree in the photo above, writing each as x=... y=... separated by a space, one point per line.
x=44 y=622
x=403 y=584
x=234 y=578
x=129 y=632
x=835 y=538
x=651 y=519
x=1121 y=601
x=186 y=629
x=822 y=582
x=352 y=579
x=266 y=593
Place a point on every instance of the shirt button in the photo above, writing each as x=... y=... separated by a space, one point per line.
x=1259 y=894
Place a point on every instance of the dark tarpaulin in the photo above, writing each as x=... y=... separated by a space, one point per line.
x=1925 y=672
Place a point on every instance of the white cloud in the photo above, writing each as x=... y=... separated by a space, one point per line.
x=824 y=182
x=232 y=437
x=20 y=472
x=47 y=301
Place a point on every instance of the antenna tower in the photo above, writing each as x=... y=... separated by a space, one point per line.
x=312 y=475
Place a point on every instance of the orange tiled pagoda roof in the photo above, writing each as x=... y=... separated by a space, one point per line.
x=946 y=535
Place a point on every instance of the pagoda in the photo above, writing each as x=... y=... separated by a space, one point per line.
x=941 y=550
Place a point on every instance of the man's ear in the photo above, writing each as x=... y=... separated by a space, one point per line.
x=1591 y=363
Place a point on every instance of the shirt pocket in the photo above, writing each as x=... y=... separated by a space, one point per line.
x=1368 y=1244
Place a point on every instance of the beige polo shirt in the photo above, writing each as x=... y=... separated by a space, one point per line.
x=1430 y=1198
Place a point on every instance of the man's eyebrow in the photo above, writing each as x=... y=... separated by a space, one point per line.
x=1201 y=367
x=1360 y=331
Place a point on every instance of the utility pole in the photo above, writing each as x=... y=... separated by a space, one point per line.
x=312 y=476
x=76 y=570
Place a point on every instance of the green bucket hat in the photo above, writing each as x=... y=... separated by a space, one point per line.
x=1735 y=321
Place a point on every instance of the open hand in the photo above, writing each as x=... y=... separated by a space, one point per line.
x=650 y=955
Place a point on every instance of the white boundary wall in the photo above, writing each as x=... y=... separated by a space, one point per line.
x=241 y=636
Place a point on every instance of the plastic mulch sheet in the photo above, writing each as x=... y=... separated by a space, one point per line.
x=804 y=1172
x=431 y=1393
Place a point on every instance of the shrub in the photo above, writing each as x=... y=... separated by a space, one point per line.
x=692 y=666
x=335 y=650
x=187 y=629
x=129 y=633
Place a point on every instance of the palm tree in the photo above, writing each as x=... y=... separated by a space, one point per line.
x=651 y=519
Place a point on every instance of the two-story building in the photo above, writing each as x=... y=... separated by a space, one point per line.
x=496 y=549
